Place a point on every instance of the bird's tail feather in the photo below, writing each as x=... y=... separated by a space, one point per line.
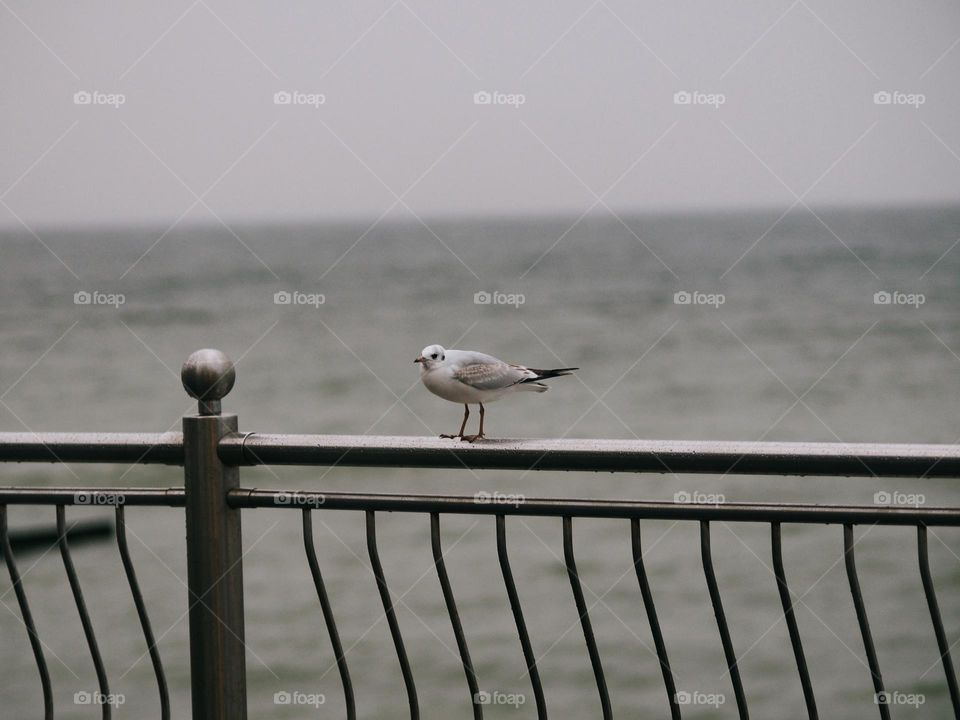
x=547 y=374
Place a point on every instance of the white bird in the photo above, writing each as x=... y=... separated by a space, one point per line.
x=466 y=376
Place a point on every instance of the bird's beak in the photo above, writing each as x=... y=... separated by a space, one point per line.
x=420 y=359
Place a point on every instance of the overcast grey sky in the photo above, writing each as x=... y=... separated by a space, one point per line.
x=199 y=133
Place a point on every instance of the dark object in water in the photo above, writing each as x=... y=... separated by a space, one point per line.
x=44 y=538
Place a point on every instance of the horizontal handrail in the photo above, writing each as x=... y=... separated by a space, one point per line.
x=93 y=496
x=656 y=456
x=93 y=447
x=487 y=503
x=651 y=456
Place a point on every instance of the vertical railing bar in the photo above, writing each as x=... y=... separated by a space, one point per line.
x=582 y=611
x=651 y=611
x=35 y=644
x=327 y=610
x=529 y=658
x=714 y=589
x=787 y=602
x=451 y=604
x=391 y=614
x=106 y=709
x=938 y=630
x=121 y=532
x=864 y=623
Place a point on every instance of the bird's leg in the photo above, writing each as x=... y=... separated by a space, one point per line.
x=463 y=425
x=471 y=438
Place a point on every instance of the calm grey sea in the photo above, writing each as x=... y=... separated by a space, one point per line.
x=798 y=350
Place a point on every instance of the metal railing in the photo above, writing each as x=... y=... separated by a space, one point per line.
x=211 y=451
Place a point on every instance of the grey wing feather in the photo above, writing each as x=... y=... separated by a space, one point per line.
x=491 y=376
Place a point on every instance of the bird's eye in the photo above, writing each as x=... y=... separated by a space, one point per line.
x=434 y=356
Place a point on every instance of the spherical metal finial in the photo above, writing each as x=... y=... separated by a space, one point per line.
x=208 y=375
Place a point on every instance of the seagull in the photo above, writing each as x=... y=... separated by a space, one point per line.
x=467 y=376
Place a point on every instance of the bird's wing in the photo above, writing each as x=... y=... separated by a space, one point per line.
x=491 y=376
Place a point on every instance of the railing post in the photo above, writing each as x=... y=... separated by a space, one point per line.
x=214 y=546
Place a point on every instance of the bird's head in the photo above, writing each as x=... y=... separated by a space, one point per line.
x=431 y=356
